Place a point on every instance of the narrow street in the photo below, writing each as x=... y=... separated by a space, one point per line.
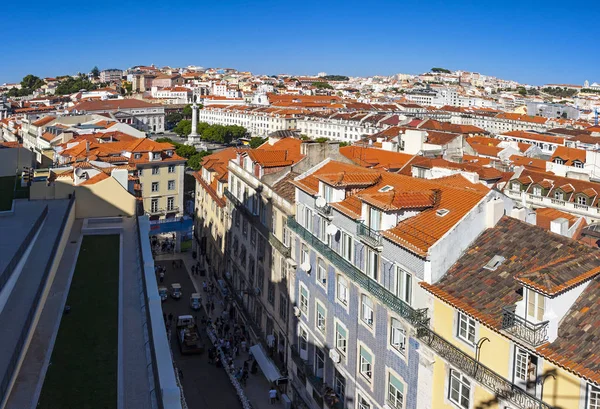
x=204 y=385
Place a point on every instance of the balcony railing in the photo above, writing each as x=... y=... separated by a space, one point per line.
x=416 y=317
x=532 y=333
x=308 y=370
x=368 y=234
x=281 y=248
x=254 y=219
x=324 y=210
x=502 y=388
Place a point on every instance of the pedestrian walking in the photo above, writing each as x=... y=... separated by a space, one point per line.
x=161 y=277
x=272 y=395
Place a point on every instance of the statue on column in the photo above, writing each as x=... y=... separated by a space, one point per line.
x=193 y=135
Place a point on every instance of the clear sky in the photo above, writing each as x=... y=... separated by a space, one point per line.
x=532 y=42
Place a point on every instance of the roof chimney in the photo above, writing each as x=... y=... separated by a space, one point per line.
x=560 y=226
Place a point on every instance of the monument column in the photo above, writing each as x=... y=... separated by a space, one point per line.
x=193 y=135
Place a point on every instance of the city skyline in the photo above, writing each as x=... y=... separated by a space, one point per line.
x=517 y=42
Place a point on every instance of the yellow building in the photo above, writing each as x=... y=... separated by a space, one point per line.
x=514 y=323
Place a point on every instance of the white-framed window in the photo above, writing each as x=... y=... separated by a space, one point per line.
x=397 y=336
x=171 y=169
x=366 y=309
x=155 y=186
x=342 y=289
x=339 y=386
x=303 y=343
x=466 y=328
x=366 y=364
x=327 y=193
x=558 y=195
x=171 y=185
x=154 y=205
x=323 y=229
x=537 y=190
x=319 y=362
x=304 y=256
x=535 y=306
x=581 y=200
x=170 y=203
x=593 y=400
x=374 y=218
x=373 y=259
x=559 y=161
x=404 y=285
x=304 y=297
x=515 y=186
x=348 y=247
x=287 y=238
x=155 y=170
x=321 y=272
x=321 y=317
x=578 y=164
x=459 y=390
x=308 y=219
x=341 y=338
x=363 y=403
x=395 y=396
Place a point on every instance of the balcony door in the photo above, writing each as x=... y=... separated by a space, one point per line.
x=525 y=370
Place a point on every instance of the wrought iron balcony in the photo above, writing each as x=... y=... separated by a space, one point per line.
x=254 y=219
x=499 y=386
x=416 y=317
x=324 y=210
x=532 y=333
x=281 y=248
x=368 y=235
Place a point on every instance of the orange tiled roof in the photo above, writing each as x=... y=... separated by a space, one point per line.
x=43 y=121
x=569 y=155
x=375 y=158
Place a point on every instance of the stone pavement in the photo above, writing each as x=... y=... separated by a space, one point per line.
x=257 y=387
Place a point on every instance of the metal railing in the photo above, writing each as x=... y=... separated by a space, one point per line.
x=502 y=388
x=371 y=236
x=416 y=317
x=308 y=370
x=281 y=248
x=254 y=219
x=324 y=210
x=532 y=333
x=8 y=374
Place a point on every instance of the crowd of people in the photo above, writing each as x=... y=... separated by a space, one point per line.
x=163 y=244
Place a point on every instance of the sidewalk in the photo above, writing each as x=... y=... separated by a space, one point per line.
x=257 y=387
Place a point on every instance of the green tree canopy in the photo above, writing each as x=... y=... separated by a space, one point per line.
x=183 y=127
x=335 y=78
x=187 y=111
x=95 y=72
x=31 y=82
x=195 y=161
x=72 y=85
x=185 y=151
x=322 y=85
x=442 y=70
x=256 y=141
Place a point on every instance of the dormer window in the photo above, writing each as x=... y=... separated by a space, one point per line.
x=582 y=200
x=537 y=190
x=536 y=303
x=558 y=195
x=516 y=186
x=137 y=156
x=578 y=164
x=374 y=218
x=327 y=193
x=559 y=161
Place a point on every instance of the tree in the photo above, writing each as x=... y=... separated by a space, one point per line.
x=187 y=111
x=522 y=91
x=195 y=161
x=342 y=144
x=31 y=82
x=173 y=117
x=183 y=127
x=185 y=151
x=257 y=141
x=335 y=78
x=442 y=70
x=95 y=72
x=322 y=85
x=72 y=85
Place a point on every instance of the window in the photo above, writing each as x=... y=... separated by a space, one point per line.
x=372 y=264
x=308 y=219
x=466 y=328
x=341 y=338
x=342 y=289
x=559 y=161
x=328 y=193
x=319 y=363
x=171 y=169
x=395 y=396
x=459 y=389
x=154 y=205
x=558 y=195
x=170 y=203
x=283 y=266
x=366 y=364
x=581 y=200
x=155 y=170
x=321 y=272
x=304 y=256
x=304 y=300
x=397 y=336
x=155 y=186
x=535 y=306
x=374 y=219
x=321 y=315
x=525 y=369
x=303 y=343
x=171 y=185
x=537 y=191
x=287 y=239
x=347 y=247
x=516 y=186
x=578 y=164
x=404 y=285
x=366 y=309
x=323 y=229
x=271 y=293
x=362 y=403
x=339 y=386
x=252 y=235
x=593 y=397
x=283 y=307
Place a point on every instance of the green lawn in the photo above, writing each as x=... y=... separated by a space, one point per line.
x=83 y=368
x=7 y=190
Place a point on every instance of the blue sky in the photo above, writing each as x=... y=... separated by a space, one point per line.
x=529 y=41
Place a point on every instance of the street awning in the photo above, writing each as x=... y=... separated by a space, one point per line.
x=266 y=365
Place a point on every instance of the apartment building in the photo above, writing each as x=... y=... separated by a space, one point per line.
x=260 y=268
x=344 y=127
x=173 y=95
x=547 y=143
x=537 y=188
x=211 y=223
x=154 y=171
x=259 y=121
x=139 y=114
x=519 y=310
x=363 y=240
x=111 y=75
